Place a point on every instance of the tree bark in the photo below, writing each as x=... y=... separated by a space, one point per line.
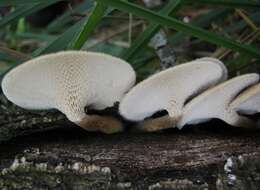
x=210 y=156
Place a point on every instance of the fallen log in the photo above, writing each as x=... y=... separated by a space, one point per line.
x=209 y=156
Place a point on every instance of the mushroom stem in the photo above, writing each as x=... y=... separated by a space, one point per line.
x=151 y=125
x=105 y=124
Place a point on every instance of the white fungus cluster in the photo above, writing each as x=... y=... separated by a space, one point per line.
x=74 y=81
x=193 y=93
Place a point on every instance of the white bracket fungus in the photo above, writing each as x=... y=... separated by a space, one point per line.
x=70 y=81
x=169 y=90
x=216 y=103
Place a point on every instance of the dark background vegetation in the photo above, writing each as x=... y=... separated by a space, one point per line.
x=224 y=29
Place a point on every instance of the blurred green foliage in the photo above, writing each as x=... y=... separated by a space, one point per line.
x=214 y=28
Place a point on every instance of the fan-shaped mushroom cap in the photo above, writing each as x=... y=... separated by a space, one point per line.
x=248 y=102
x=69 y=81
x=217 y=61
x=169 y=89
x=215 y=103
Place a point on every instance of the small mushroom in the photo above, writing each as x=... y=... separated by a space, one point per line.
x=71 y=81
x=215 y=103
x=169 y=90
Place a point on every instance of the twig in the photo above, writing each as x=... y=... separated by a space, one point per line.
x=223 y=52
x=247 y=20
x=16 y=54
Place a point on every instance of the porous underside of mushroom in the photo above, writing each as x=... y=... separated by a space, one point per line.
x=248 y=102
x=169 y=89
x=69 y=81
x=215 y=103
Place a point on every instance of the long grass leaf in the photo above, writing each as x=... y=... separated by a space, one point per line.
x=203 y=20
x=151 y=30
x=89 y=25
x=66 y=17
x=181 y=26
x=40 y=36
x=61 y=42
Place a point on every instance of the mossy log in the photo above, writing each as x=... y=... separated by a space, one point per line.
x=210 y=156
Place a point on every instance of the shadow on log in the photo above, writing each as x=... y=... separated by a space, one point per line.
x=210 y=156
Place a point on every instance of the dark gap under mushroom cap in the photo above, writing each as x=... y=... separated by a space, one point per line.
x=158 y=114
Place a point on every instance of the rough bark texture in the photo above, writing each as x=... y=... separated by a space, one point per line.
x=212 y=156
x=15 y=121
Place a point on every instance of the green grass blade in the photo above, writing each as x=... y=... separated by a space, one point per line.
x=181 y=26
x=40 y=36
x=227 y=3
x=203 y=20
x=25 y=2
x=66 y=18
x=61 y=42
x=22 y=11
x=151 y=30
x=90 y=24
